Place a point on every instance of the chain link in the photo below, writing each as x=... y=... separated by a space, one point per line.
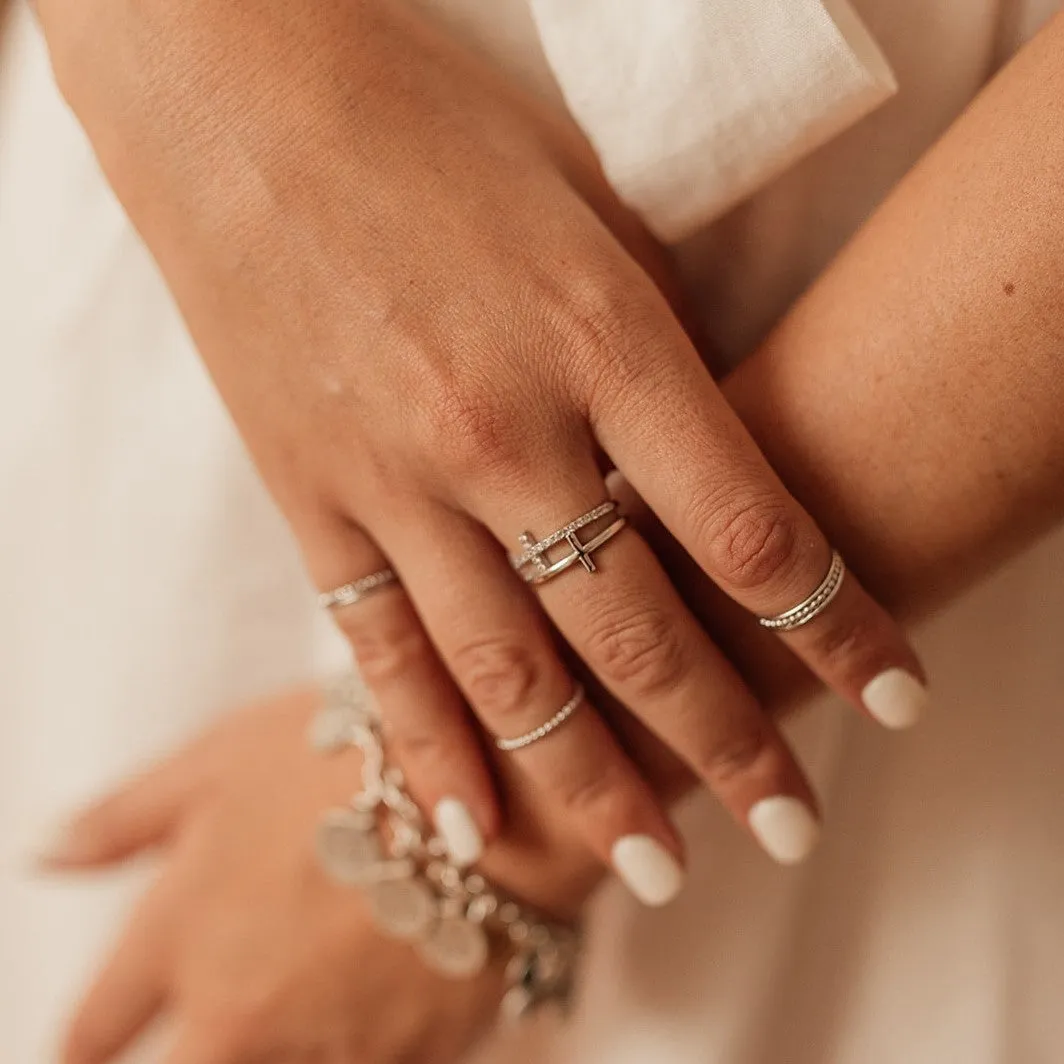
x=416 y=893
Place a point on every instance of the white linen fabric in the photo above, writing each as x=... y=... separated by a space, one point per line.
x=694 y=104
x=148 y=582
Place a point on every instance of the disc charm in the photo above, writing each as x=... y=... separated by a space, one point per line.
x=455 y=947
x=402 y=908
x=348 y=846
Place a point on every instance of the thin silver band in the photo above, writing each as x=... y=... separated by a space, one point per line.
x=535 y=567
x=546 y=727
x=357 y=590
x=815 y=604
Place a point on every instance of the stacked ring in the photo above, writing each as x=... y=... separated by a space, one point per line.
x=812 y=606
x=533 y=563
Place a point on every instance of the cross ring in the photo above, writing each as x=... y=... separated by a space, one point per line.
x=534 y=565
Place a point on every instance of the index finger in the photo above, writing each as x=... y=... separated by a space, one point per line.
x=673 y=435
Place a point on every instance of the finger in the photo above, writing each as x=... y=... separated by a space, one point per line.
x=498 y=646
x=200 y=1044
x=674 y=437
x=139 y=815
x=426 y=722
x=626 y=621
x=128 y=993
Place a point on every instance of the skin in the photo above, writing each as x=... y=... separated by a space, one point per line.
x=888 y=398
x=439 y=388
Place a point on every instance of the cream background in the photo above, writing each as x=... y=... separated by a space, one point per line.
x=146 y=582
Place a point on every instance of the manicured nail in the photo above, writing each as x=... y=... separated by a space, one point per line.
x=895 y=698
x=785 y=827
x=649 y=871
x=459 y=832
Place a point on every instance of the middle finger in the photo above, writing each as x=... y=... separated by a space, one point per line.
x=622 y=616
x=498 y=646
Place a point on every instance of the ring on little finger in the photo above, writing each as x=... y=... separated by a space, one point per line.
x=357 y=590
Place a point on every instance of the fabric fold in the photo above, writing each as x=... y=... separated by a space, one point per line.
x=692 y=105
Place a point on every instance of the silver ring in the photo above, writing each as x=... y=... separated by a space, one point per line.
x=357 y=590
x=547 y=727
x=815 y=604
x=533 y=564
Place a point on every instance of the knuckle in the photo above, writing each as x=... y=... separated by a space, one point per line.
x=471 y=435
x=853 y=645
x=723 y=761
x=842 y=640
x=499 y=675
x=600 y=796
x=637 y=651
x=752 y=541
x=609 y=329
x=412 y=743
x=592 y=310
x=386 y=648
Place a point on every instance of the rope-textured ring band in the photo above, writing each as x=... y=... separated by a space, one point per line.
x=815 y=604
x=357 y=590
x=533 y=563
x=546 y=727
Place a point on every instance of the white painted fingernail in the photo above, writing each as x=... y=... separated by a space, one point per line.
x=649 y=871
x=459 y=831
x=895 y=698
x=785 y=827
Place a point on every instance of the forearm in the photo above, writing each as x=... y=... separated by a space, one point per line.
x=913 y=398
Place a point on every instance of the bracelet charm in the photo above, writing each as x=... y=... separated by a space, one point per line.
x=380 y=844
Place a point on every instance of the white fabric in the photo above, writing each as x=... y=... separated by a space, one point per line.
x=146 y=581
x=694 y=104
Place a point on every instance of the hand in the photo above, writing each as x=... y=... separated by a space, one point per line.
x=241 y=942
x=407 y=284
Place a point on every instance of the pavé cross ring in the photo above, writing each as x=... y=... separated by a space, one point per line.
x=534 y=564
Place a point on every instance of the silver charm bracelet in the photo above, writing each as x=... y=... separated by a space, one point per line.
x=451 y=917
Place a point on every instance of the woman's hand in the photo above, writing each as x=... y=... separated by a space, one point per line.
x=406 y=283
x=241 y=942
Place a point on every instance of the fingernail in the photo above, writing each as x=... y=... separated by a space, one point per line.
x=895 y=698
x=649 y=871
x=785 y=827
x=459 y=831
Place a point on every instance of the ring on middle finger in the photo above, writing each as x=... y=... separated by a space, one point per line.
x=534 y=564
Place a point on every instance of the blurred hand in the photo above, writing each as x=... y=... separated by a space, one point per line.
x=241 y=942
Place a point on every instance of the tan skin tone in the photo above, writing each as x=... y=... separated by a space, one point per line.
x=404 y=279
x=888 y=399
